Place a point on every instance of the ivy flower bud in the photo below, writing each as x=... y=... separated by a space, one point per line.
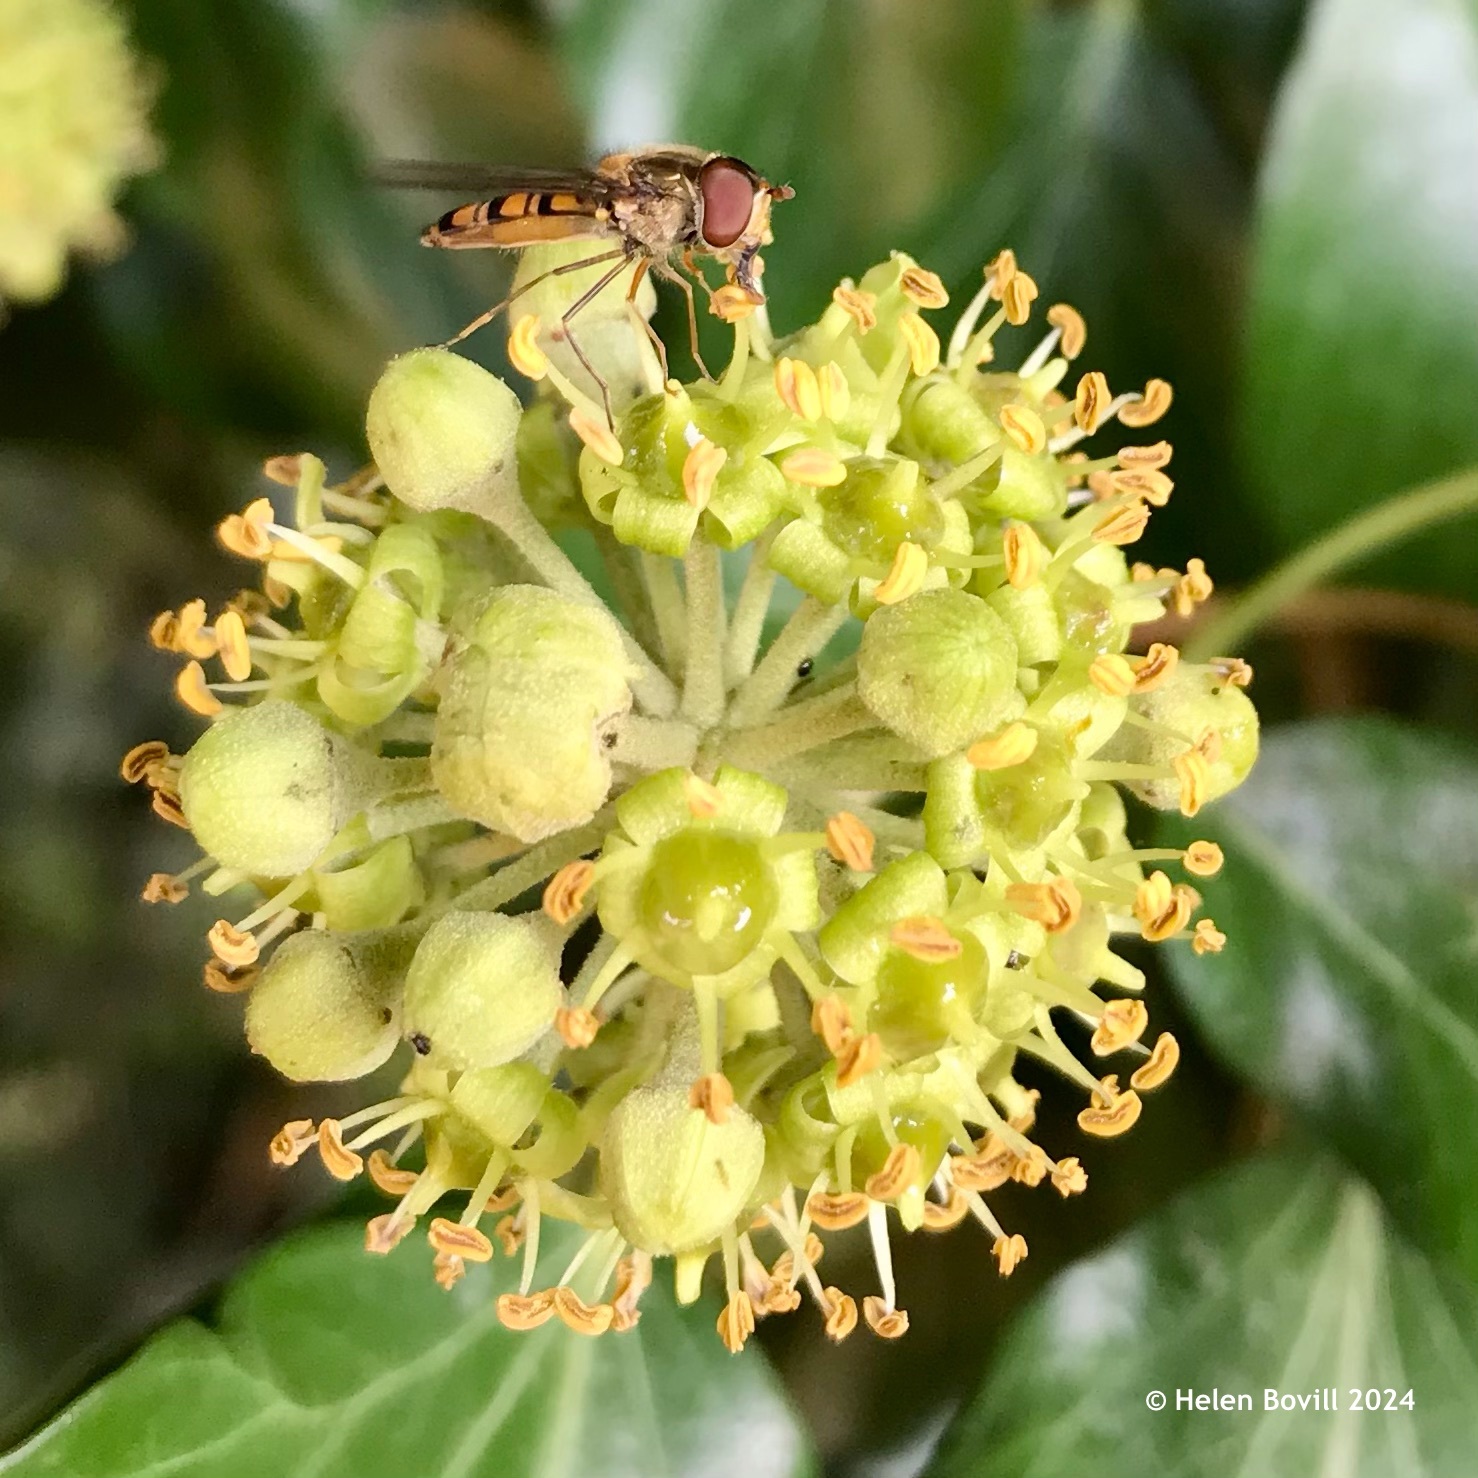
x=482 y=989
x=1193 y=703
x=938 y=669
x=527 y=699
x=265 y=789
x=677 y=1181
x=327 y=1006
x=443 y=432
x=610 y=335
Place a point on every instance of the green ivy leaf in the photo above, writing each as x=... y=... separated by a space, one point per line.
x=326 y=1363
x=1362 y=363
x=1350 y=901
x=1281 y=1273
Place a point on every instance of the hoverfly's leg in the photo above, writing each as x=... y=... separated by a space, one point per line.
x=485 y=318
x=586 y=298
x=642 y=267
x=665 y=271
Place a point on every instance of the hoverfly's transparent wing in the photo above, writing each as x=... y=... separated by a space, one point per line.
x=488 y=179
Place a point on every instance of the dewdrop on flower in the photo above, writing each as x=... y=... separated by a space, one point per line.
x=688 y=936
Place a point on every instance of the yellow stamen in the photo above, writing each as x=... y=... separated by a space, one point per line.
x=232 y=946
x=1090 y=401
x=1162 y=910
x=524 y=353
x=1008 y=1253
x=986 y=1172
x=341 y=1163
x=925 y=939
x=714 y=1094
x=814 y=467
x=564 y=894
x=1000 y=271
x=884 y=1322
x=390 y=1179
x=583 y=1318
x=1055 y=904
x=1015 y=744
x=1017 y=297
x=704 y=799
x=900 y=1171
x=1070 y=1179
x=1149 y=407
x=1154 y=668
x=577 y=1026
x=860 y=307
x=1236 y=672
x=1024 y=427
x=797 y=386
x=1025 y=555
x=1124 y=526
x=1193 y=589
x=731 y=303
x=1122 y=1022
x=1158 y=1066
x=194 y=692
x=832 y=1022
x=1203 y=860
x=701 y=468
x=452 y=1239
x=941 y=1217
x=235 y=654
x=291 y=1142
x=286 y=469
x=1074 y=329
x=736 y=1321
x=598 y=436
x=1148 y=483
x=509 y=1233
x=1194 y=775
x=860 y=1057
x=1208 y=940
x=383 y=1234
x=448 y=1270
x=162 y=887
x=850 y=841
x=245 y=533
x=836 y=1211
x=923 y=344
x=522 y=1311
x=905 y=576
x=1112 y=674
x=633 y=1277
x=227 y=982
x=190 y=636
x=166 y=805
x=836 y=395
x=923 y=287
x=142 y=758
x=1116 y=1114
x=1157 y=455
x=840 y=1310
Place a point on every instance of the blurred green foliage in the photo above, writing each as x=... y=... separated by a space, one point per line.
x=1262 y=202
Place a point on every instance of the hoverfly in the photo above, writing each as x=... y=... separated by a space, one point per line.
x=656 y=207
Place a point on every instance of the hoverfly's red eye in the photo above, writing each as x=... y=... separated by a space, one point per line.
x=728 y=190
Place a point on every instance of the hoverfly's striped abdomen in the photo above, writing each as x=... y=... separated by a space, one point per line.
x=520 y=218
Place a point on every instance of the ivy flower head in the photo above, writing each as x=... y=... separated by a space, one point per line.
x=678 y=930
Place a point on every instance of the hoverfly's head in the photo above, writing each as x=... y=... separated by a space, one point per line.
x=734 y=216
